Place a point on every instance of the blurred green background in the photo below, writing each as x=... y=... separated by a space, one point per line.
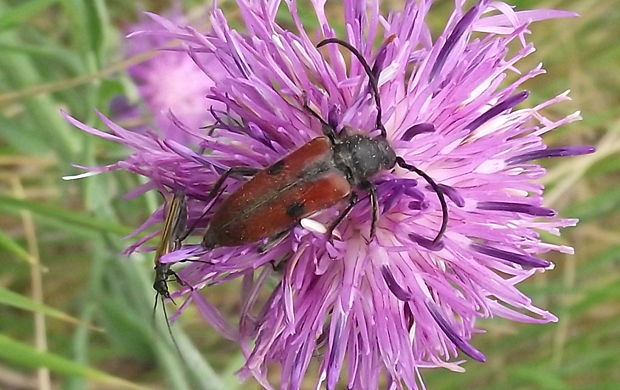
x=72 y=304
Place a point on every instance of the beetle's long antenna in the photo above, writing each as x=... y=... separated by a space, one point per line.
x=174 y=340
x=374 y=84
x=444 y=206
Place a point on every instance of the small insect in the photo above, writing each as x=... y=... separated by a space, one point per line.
x=318 y=175
x=174 y=232
x=172 y=235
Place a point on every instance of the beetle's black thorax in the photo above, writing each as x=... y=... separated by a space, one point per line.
x=361 y=157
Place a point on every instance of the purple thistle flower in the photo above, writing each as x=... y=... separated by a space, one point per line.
x=171 y=85
x=401 y=302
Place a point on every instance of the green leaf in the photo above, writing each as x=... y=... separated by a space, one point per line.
x=41 y=112
x=46 y=51
x=13 y=205
x=17 y=15
x=24 y=355
x=8 y=244
x=96 y=22
x=11 y=298
x=22 y=136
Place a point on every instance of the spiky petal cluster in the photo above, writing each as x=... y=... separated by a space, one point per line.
x=398 y=303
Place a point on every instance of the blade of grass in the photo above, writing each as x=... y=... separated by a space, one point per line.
x=13 y=299
x=54 y=86
x=42 y=111
x=96 y=16
x=47 y=51
x=36 y=283
x=9 y=245
x=25 y=356
x=13 y=205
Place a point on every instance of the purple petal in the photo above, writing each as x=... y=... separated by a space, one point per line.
x=419 y=128
x=426 y=243
x=452 y=194
x=418 y=205
x=413 y=192
x=333 y=117
x=183 y=254
x=500 y=107
x=458 y=341
x=214 y=317
x=390 y=198
x=497 y=22
x=517 y=258
x=377 y=67
x=459 y=29
x=563 y=151
x=517 y=208
x=393 y=285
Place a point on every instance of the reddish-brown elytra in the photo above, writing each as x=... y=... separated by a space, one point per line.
x=318 y=175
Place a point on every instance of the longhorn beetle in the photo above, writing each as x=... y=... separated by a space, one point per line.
x=318 y=175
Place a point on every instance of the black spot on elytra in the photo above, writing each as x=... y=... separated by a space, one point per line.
x=276 y=168
x=295 y=210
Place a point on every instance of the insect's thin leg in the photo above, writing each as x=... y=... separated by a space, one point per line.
x=328 y=131
x=352 y=201
x=374 y=83
x=278 y=263
x=181 y=237
x=272 y=242
x=374 y=203
x=215 y=193
x=219 y=122
x=177 y=278
x=442 y=200
x=241 y=171
x=155 y=306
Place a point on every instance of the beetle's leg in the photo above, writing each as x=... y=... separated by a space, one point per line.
x=352 y=201
x=240 y=171
x=272 y=242
x=444 y=206
x=374 y=203
x=214 y=193
x=176 y=244
x=277 y=264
